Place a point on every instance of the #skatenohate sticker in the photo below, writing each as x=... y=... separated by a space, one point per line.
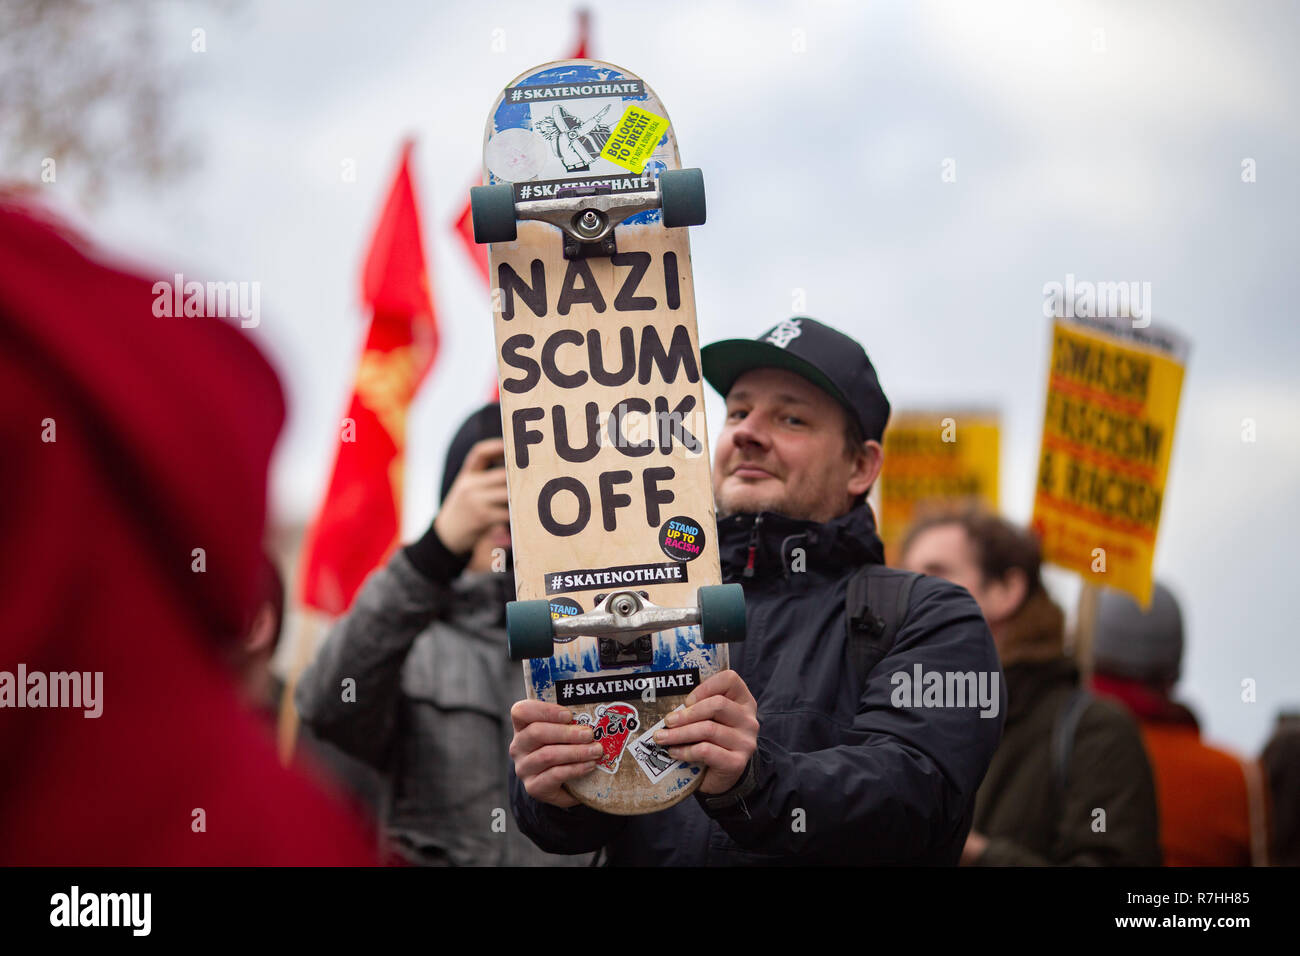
x=681 y=538
x=564 y=607
x=627 y=575
x=603 y=689
x=611 y=724
x=652 y=758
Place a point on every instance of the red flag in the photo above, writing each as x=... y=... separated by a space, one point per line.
x=478 y=255
x=584 y=26
x=359 y=522
x=464 y=224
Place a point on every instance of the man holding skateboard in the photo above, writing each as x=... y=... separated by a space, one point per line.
x=808 y=759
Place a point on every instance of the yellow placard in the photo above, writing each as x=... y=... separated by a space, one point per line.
x=634 y=138
x=1112 y=402
x=936 y=460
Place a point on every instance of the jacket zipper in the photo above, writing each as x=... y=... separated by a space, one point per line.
x=753 y=546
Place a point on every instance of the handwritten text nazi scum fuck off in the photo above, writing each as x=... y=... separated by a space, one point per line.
x=624 y=346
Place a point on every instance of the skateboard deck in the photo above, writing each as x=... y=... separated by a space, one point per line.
x=602 y=410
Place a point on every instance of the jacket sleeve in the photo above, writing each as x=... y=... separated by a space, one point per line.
x=904 y=790
x=558 y=829
x=369 y=646
x=1109 y=815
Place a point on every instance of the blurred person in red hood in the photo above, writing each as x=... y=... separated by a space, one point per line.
x=134 y=482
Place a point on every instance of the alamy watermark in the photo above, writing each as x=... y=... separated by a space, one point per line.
x=922 y=688
x=1080 y=298
x=130 y=910
x=36 y=689
x=224 y=300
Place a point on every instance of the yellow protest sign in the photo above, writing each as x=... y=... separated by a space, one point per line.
x=1112 y=401
x=936 y=460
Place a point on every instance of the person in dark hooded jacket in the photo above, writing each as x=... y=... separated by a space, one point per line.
x=804 y=764
x=424 y=647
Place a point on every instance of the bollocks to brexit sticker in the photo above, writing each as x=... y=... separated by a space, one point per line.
x=634 y=138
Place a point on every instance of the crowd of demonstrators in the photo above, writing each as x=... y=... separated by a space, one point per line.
x=1212 y=803
x=135 y=480
x=135 y=487
x=415 y=680
x=796 y=725
x=1070 y=783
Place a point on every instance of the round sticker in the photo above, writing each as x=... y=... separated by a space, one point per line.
x=515 y=155
x=681 y=538
x=564 y=607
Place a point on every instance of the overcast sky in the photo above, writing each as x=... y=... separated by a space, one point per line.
x=1102 y=140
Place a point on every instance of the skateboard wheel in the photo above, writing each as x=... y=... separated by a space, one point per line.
x=722 y=613
x=683 y=197
x=528 y=629
x=493 y=208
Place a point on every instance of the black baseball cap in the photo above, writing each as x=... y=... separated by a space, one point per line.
x=828 y=358
x=484 y=423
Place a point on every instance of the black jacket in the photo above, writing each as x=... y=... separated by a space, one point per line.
x=841 y=775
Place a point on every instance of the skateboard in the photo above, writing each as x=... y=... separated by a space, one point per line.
x=620 y=609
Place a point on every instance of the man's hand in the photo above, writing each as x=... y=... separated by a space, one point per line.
x=718 y=728
x=549 y=748
x=477 y=499
x=976 y=844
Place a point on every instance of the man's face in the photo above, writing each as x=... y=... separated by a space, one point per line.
x=945 y=551
x=782 y=450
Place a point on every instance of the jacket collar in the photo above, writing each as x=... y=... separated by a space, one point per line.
x=478 y=601
x=830 y=547
x=1035 y=633
x=1146 y=703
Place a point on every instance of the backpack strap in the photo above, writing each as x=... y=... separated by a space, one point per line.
x=1063 y=730
x=875 y=606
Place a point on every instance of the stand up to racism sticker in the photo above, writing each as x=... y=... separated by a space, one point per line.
x=681 y=538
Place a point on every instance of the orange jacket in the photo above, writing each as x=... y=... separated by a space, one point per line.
x=1211 y=802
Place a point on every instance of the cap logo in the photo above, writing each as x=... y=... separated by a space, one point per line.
x=784 y=334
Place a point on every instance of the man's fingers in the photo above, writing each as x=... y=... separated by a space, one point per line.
x=495 y=495
x=525 y=712
x=482 y=455
x=541 y=734
x=722 y=709
x=548 y=786
x=712 y=756
x=724 y=683
x=486 y=481
x=708 y=731
x=540 y=761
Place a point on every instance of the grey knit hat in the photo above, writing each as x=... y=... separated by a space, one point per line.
x=1140 y=645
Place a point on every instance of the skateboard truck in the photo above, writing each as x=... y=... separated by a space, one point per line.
x=620 y=650
x=627 y=621
x=586 y=215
